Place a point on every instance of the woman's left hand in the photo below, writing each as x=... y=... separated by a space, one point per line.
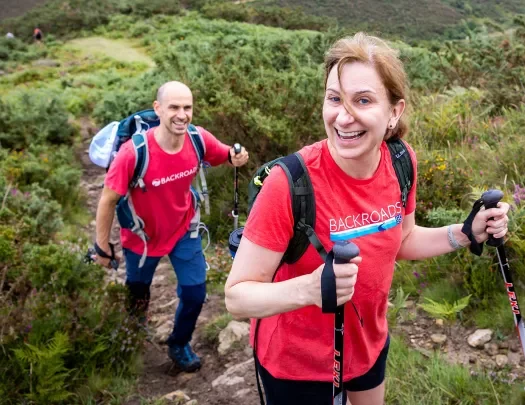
x=492 y=221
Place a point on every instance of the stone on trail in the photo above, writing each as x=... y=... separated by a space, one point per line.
x=479 y=338
x=232 y=333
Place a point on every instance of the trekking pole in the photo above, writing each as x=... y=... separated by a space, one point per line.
x=343 y=253
x=235 y=212
x=490 y=200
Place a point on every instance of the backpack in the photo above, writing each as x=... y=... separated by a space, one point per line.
x=108 y=141
x=303 y=200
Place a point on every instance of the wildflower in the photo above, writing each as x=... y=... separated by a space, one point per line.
x=416 y=274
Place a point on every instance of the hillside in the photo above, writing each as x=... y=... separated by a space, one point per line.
x=66 y=336
x=15 y=8
x=422 y=19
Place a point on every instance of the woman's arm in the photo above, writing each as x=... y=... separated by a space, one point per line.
x=250 y=292
x=421 y=243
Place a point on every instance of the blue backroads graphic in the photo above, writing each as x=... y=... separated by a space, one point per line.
x=365 y=230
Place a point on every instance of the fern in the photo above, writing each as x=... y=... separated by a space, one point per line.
x=48 y=373
x=445 y=309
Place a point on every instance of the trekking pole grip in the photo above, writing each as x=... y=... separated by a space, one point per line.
x=237 y=148
x=490 y=199
x=344 y=252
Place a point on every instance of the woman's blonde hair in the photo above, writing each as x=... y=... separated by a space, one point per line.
x=375 y=52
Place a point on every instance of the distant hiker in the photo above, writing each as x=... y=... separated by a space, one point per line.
x=38 y=35
x=10 y=35
x=357 y=194
x=166 y=206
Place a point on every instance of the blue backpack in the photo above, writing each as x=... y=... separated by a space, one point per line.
x=107 y=142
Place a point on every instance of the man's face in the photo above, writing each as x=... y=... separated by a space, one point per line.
x=175 y=110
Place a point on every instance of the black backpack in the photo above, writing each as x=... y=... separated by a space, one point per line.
x=303 y=199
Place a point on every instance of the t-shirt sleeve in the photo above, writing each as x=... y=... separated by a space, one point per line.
x=216 y=151
x=411 y=201
x=270 y=223
x=121 y=170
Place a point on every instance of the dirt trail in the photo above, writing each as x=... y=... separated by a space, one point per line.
x=159 y=377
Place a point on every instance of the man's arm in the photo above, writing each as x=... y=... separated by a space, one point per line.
x=104 y=221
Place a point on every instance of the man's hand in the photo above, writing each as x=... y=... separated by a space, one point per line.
x=107 y=262
x=239 y=159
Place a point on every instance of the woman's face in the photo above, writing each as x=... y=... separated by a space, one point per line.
x=357 y=112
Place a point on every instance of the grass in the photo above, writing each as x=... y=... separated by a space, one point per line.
x=413 y=379
x=214 y=327
x=121 y=50
x=498 y=316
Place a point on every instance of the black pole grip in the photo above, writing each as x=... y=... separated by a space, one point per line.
x=237 y=148
x=490 y=199
x=344 y=252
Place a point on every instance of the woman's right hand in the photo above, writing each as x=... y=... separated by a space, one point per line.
x=345 y=279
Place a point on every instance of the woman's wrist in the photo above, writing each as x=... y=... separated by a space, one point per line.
x=456 y=238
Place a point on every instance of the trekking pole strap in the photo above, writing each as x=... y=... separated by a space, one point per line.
x=328 y=286
x=100 y=252
x=475 y=247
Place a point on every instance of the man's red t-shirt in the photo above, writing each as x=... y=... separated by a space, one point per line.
x=166 y=207
x=299 y=345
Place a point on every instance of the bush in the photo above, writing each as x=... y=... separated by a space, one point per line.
x=33 y=118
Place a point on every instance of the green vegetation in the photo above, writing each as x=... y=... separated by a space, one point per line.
x=263 y=87
x=413 y=379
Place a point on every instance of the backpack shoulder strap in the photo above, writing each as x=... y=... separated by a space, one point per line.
x=303 y=206
x=140 y=145
x=197 y=141
x=403 y=167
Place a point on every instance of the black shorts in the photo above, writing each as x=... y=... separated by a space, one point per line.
x=289 y=392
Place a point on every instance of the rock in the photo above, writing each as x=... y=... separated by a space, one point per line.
x=157 y=320
x=192 y=402
x=163 y=267
x=242 y=393
x=514 y=346
x=160 y=280
x=501 y=360
x=232 y=373
x=479 y=338
x=232 y=333
x=472 y=359
x=169 y=304
x=439 y=322
x=438 y=338
x=514 y=358
x=409 y=304
x=176 y=396
x=163 y=332
x=491 y=348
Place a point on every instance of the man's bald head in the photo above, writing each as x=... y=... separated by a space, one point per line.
x=174 y=88
x=174 y=107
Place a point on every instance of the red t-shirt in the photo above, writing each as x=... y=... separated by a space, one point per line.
x=166 y=207
x=299 y=345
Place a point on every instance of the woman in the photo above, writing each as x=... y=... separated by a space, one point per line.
x=354 y=182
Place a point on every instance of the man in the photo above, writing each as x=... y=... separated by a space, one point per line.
x=167 y=209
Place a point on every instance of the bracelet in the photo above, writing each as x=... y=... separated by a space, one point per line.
x=452 y=240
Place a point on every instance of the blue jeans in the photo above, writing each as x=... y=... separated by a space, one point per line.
x=189 y=264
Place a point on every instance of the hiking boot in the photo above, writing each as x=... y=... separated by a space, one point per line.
x=184 y=357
